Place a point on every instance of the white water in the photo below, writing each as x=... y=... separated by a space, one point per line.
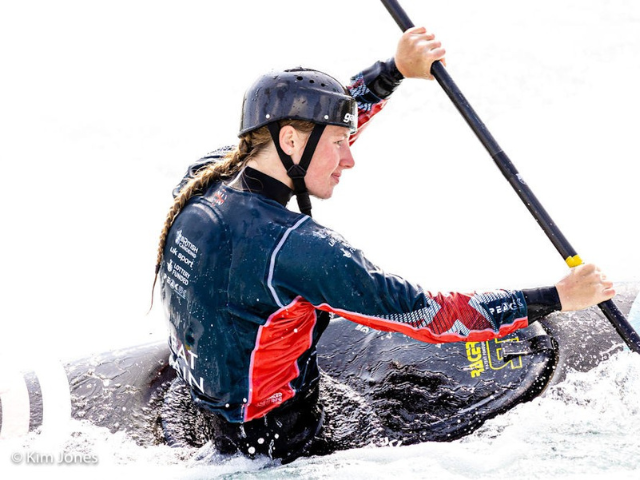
x=103 y=107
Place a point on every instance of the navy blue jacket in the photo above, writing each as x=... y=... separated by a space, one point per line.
x=248 y=287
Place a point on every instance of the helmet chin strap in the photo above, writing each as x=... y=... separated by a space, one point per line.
x=297 y=171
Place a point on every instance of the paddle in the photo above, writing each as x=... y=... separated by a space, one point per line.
x=610 y=310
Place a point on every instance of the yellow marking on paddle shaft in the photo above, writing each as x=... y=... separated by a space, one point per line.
x=574 y=261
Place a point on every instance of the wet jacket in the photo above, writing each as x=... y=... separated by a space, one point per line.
x=249 y=286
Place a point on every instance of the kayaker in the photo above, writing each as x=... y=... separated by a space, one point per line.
x=249 y=286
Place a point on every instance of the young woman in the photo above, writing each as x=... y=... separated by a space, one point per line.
x=249 y=286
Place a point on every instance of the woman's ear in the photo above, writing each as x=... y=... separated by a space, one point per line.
x=288 y=139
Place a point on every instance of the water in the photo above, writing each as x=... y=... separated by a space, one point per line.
x=103 y=108
x=583 y=428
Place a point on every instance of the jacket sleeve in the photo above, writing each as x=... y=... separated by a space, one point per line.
x=371 y=88
x=319 y=266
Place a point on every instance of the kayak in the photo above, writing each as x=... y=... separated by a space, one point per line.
x=377 y=387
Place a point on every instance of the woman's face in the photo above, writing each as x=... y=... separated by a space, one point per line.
x=332 y=156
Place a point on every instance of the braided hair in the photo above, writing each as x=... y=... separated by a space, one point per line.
x=250 y=145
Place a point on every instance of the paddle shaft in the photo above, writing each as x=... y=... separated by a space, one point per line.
x=508 y=169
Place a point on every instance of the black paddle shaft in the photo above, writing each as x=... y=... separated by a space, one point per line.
x=610 y=310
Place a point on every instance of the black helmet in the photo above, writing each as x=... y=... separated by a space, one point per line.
x=299 y=94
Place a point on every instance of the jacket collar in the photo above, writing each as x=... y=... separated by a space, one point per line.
x=252 y=180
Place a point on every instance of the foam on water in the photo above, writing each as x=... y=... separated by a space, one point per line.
x=584 y=427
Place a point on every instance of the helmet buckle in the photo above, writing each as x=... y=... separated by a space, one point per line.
x=296 y=171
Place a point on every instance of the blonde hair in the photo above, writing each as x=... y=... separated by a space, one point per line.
x=250 y=145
